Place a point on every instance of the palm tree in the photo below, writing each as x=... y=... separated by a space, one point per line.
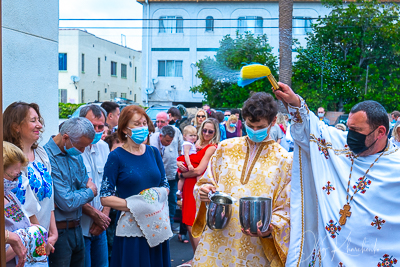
x=285 y=41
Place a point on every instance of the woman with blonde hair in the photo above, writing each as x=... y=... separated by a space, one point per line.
x=209 y=137
x=201 y=116
x=231 y=127
x=396 y=134
x=20 y=233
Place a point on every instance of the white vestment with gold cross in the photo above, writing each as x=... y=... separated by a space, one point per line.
x=321 y=169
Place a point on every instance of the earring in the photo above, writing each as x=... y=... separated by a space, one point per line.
x=126 y=136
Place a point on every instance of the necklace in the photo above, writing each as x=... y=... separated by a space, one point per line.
x=345 y=212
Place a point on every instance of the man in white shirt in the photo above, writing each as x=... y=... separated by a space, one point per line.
x=95 y=219
x=169 y=156
x=113 y=112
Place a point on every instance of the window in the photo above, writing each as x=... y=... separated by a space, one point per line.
x=83 y=63
x=62 y=95
x=98 y=96
x=98 y=66
x=250 y=24
x=209 y=24
x=123 y=70
x=83 y=96
x=62 y=61
x=135 y=74
x=123 y=95
x=113 y=95
x=170 y=68
x=301 y=25
x=134 y=97
x=113 y=68
x=171 y=24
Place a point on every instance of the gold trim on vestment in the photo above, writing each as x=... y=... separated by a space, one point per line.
x=302 y=208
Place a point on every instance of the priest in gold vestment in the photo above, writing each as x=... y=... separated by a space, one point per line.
x=254 y=165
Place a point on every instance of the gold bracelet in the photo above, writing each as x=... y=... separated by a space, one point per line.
x=8 y=236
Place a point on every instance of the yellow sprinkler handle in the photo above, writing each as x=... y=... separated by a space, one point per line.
x=273 y=82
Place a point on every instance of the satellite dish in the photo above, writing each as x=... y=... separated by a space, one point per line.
x=155 y=81
x=149 y=90
x=75 y=79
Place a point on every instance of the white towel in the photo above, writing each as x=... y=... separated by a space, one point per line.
x=148 y=216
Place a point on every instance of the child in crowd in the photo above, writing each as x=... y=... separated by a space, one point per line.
x=188 y=148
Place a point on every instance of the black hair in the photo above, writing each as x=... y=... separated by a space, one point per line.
x=235 y=111
x=109 y=106
x=260 y=106
x=175 y=112
x=220 y=116
x=376 y=114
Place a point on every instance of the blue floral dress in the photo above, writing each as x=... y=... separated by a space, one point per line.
x=35 y=188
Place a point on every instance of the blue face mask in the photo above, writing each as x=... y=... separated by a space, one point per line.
x=257 y=136
x=73 y=151
x=226 y=118
x=139 y=134
x=233 y=125
x=97 y=137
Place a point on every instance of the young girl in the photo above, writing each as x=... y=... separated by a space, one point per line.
x=188 y=148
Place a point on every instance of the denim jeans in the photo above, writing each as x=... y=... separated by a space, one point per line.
x=96 y=254
x=172 y=198
x=69 y=249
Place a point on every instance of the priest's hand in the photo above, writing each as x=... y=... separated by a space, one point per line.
x=287 y=96
x=259 y=234
x=204 y=190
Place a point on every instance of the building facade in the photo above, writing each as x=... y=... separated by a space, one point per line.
x=30 y=48
x=94 y=69
x=180 y=33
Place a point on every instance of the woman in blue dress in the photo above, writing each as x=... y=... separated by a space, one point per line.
x=129 y=170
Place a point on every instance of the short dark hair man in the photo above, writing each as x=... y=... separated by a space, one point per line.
x=343 y=183
x=95 y=218
x=113 y=112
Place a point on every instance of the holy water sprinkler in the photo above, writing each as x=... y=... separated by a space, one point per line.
x=253 y=72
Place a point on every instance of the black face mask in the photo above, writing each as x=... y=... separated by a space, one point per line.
x=356 y=141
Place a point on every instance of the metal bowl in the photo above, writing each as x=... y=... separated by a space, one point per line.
x=255 y=213
x=219 y=211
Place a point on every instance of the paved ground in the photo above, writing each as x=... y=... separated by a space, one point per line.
x=179 y=252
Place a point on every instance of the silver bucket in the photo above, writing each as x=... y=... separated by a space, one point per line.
x=219 y=210
x=255 y=213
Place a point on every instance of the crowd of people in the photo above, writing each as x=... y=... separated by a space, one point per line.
x=105 y=189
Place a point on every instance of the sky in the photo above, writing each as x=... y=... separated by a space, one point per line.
x=105 y=9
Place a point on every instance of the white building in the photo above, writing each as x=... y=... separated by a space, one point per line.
x=106 y=70
x=30 y=49
x=179 y=33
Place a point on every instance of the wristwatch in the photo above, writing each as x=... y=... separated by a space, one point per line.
x=181 y=176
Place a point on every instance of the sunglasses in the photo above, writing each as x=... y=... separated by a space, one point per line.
x=209 y=131
x=201 y=116
x=15 y=177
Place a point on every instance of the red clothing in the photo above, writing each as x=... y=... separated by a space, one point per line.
x=189 y=203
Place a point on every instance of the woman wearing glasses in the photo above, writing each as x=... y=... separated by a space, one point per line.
x=201 y=116
x=208 y=140
x=22 y=126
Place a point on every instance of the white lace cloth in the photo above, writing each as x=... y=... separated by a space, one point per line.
x=148 y=217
